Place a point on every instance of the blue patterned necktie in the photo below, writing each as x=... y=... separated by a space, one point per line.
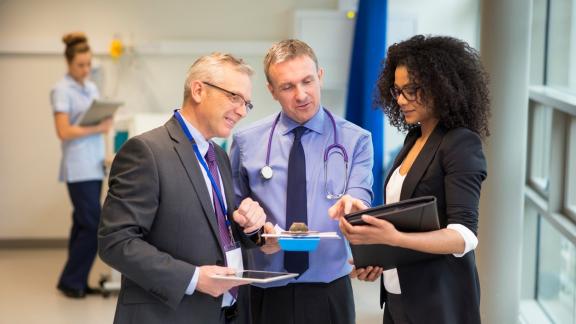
x=225 y=238
x=296 y=206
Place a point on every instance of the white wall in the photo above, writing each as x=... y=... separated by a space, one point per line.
x=32 y=203
x=460 y=19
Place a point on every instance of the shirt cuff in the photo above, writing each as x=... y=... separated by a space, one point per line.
x=193 y=282
x=470 y=240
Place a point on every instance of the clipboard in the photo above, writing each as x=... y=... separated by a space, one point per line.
x=411 y=215
x=98 y=111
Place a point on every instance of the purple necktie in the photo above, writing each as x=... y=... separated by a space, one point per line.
x=222 y=228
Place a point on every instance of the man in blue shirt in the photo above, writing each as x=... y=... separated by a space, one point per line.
x=280 y=163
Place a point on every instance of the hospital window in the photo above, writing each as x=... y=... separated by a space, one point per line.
x=570 y=198
x=549 y=246
x=540 y=134
x=556 y=288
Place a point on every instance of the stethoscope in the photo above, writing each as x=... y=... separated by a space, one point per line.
x=267 y=173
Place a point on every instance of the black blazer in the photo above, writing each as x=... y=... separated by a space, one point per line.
x=451 y=167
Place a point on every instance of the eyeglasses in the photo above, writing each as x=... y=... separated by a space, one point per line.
x=234 y=97
x=410 y=92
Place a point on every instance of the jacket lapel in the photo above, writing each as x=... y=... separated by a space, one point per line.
x=190 y=163
x=410 y=139
x=408 y=143
x=422 y=161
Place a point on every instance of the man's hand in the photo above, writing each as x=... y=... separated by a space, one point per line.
x=271 y=246
x=369 y=273
x=345 y=205
x=216 y=287
x=249 y=215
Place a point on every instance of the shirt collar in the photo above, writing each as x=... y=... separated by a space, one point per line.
x=73 y=83
x=316 y=123
x=201 y=142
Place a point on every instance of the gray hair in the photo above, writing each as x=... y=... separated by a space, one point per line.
x=287 y=50
x=210 y=68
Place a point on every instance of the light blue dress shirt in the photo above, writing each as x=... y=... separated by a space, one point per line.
x=82 y=158
x=203 y=144
x=248 y=155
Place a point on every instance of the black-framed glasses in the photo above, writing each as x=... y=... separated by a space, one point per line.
x=234 y=97
x=410 y=92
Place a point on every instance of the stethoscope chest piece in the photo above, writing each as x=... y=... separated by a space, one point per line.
x=266 y=172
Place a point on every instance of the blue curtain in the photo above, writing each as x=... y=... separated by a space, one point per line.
x=367 y=55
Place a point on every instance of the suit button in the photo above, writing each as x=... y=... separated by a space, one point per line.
x=220 y=263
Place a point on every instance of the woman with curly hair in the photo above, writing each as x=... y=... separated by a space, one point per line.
x=435 y=88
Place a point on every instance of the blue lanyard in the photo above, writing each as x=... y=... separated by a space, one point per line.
x=205 y=166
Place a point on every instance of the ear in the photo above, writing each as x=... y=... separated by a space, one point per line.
x=196 y=90
x=321 y=76
x=271 y=89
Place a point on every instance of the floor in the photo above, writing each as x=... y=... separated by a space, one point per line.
x=28 y=294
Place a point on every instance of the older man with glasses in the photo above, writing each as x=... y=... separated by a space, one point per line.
x=169 y=223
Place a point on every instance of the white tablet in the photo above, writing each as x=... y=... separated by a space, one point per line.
x=257 y=276
x=99 y=110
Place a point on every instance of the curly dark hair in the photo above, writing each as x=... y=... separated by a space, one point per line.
x=451 y=78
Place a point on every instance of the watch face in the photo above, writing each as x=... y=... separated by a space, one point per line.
x=266 y=172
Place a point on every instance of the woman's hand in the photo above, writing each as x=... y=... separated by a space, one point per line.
x=105 y=125
x=377 y=231
x=67 y=131
x=345 y=205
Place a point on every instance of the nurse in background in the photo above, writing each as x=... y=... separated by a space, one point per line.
x=82 y=164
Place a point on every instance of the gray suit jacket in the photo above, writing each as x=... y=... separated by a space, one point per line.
x=158 y=225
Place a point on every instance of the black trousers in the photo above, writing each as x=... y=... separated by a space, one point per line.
x=229 y=315
x=304 y=303
x=239 y=313
x=83 y=242
x=394 y=312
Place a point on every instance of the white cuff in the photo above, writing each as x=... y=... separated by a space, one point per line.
x=470 y=240
x=193 y=282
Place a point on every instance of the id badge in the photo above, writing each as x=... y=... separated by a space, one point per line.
x=234 y=259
